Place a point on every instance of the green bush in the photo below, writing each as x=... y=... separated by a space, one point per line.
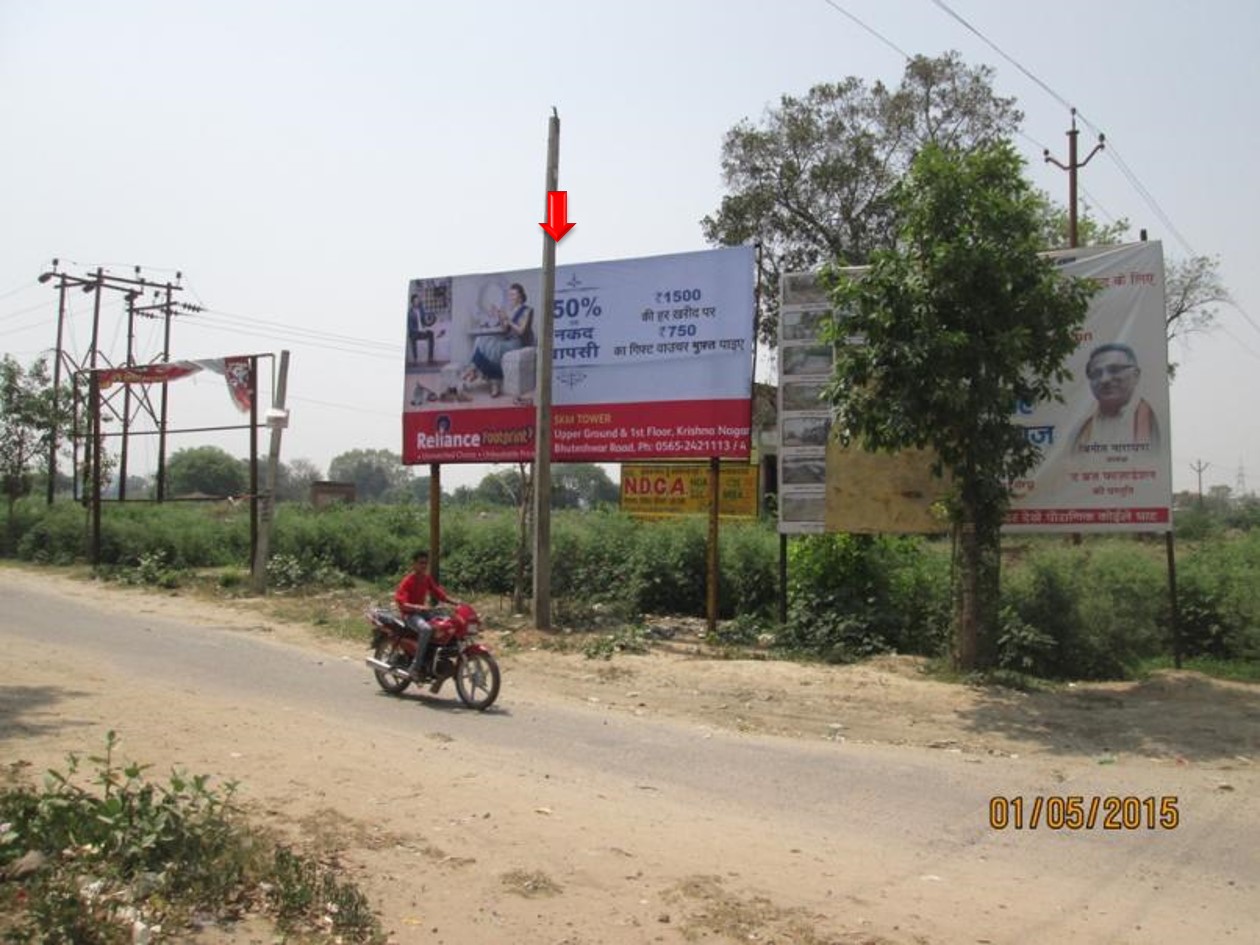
x=365 y=541
x=595 y=560
x=154 y=851
x=852 y=596
x=1090 y=612
x=1218 y=599
x=479 y=552
x=748 y=564
x=58 y=536
x=670 y=565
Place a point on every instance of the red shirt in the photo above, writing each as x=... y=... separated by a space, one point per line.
x=414 y=589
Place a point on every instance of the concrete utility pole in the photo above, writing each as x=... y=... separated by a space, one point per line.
x=1072 y=166
x=542 y=435
x=277 y=420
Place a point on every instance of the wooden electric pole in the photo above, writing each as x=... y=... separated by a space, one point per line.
x=542 y=428
x=1072 y=166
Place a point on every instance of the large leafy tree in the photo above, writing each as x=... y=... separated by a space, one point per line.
x=206 y=470
x=944 y=333
x=812 y=180
x=27 y=419
x=375 y=473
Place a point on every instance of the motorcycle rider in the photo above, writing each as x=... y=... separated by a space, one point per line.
x=413 y=599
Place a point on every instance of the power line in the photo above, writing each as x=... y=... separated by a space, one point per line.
x=879 y=36
x=30 y=308
x=1049 y=91
x=1111 y=149
x=377 y=350
x=301 y=331
x=22 y=288
x=1146 y=195
x=353 y=407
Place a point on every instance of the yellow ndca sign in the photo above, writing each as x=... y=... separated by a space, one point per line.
x=662 y=489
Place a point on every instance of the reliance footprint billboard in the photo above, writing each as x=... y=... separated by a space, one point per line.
x=651 y=358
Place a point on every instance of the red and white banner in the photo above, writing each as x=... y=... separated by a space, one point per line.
x=236 y=370
x=651 y=359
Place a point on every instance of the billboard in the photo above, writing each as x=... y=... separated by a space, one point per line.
x=882 y=493
x=652 y=358
x=1105 y=459
x=659 y=490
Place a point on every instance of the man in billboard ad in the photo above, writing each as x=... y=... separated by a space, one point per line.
x=1105 y=462
x=651 y=359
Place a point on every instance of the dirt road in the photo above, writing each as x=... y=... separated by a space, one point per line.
x=666 y=798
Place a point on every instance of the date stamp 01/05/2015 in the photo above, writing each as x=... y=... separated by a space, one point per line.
x=1078 y=812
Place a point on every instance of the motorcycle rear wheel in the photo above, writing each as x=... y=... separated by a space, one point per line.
x=389 y=650
x=477 y=680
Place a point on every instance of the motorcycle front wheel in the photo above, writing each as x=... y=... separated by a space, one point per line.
x=390 y=651
x=477 y=680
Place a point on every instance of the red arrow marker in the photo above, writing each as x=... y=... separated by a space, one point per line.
x=557 y=214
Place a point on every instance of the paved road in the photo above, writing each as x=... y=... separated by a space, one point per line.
x=903 y=824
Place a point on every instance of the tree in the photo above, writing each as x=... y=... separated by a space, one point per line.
x=293 y=482
x=582 y=486
x=812 y=182
x=953 y=325
x=1090 y=231
x=206 y=470
x=1193 y=289
x=27 y=418
x=373 y=472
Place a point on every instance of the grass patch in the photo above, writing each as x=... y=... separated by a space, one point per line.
x=102 y=855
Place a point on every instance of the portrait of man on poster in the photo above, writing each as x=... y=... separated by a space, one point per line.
x=1119 y=417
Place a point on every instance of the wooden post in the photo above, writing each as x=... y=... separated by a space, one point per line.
x=435 y=520
x=1174 y=621
x=715 y=505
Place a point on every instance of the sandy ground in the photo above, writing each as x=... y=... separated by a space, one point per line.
x=546 y=867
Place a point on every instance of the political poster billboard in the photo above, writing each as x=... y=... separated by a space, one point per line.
x=1105 y=457
x=652 y=358
x=1105 y=461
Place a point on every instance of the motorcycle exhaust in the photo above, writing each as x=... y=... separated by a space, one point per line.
x=383 y=666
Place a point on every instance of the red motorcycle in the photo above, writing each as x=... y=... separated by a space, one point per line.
x=453 y=653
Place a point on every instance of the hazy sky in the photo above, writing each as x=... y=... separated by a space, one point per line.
x=300 y=161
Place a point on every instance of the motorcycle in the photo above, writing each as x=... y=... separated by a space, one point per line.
x=453 y=654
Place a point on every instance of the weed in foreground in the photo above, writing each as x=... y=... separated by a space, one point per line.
x=107 y=856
